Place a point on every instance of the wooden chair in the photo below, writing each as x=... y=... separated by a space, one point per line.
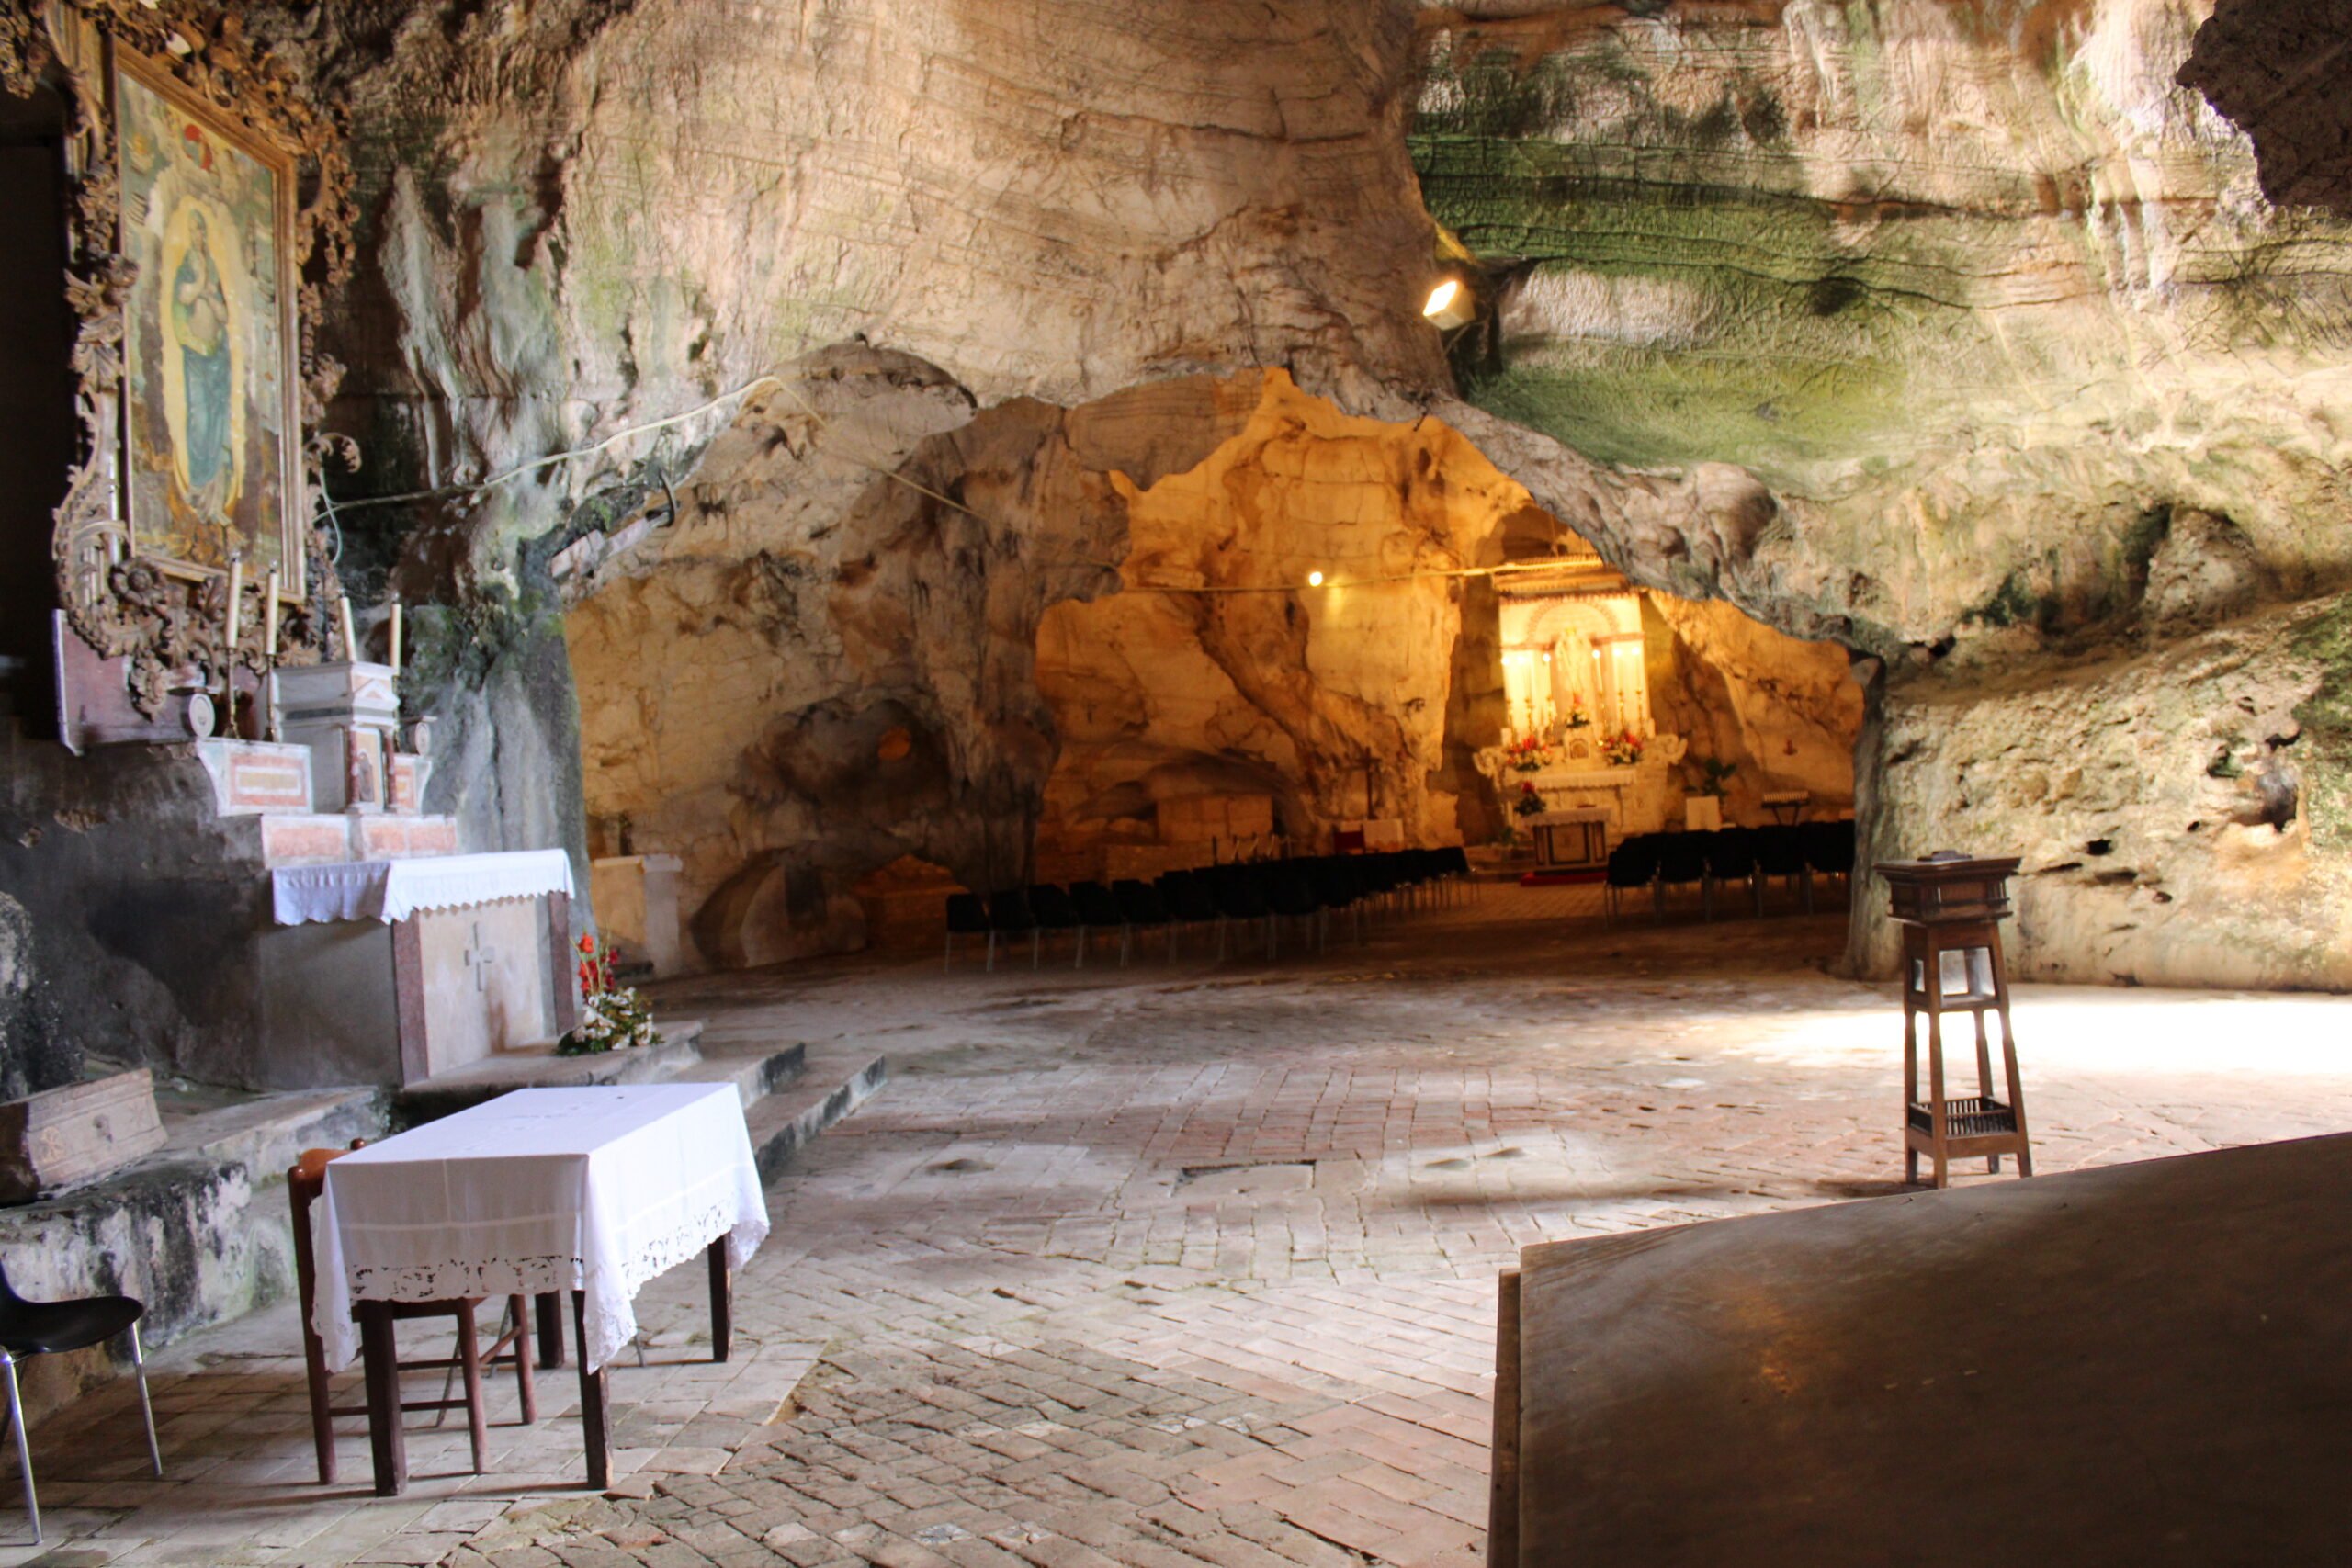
x=305 y=1184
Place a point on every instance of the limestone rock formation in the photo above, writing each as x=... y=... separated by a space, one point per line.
x=823 y=663
x=1783 y=713
x=581 y=215
x=2179 y=822
x=1219 y=670
x=1974 y=293
x=34 y=1053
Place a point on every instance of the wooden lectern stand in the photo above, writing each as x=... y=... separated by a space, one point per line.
x=1950 y=907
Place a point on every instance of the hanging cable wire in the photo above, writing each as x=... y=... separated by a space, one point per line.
x=1324 y=584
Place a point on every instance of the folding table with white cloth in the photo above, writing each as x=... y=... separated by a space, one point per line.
x=591 y=1190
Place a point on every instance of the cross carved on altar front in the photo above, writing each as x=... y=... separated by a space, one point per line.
x=479 y=957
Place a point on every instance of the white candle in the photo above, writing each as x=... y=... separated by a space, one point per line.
x=269 y=622
x=350 y=637
x=395 y=659
x=236 y=592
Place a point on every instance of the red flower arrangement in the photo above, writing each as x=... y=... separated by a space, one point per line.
x=611 y=1016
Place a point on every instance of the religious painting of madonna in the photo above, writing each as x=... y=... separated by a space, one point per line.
x=210 y=414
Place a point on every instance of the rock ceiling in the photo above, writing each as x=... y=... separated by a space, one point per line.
x=2278 y=70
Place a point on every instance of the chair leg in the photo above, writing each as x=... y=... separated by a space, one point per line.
x=470 y=1367
x=146 y=1405
x=24 y=1450
x=314 y=1366
x=992 y=966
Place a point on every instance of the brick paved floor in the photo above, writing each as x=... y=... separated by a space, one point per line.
x=1191 y=1264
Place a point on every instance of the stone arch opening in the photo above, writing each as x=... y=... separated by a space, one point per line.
x=891 y=644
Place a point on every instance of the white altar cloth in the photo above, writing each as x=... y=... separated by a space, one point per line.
x=595 y=1190
x=395 y=889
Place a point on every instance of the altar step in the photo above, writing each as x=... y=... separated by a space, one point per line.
x=831 y=1087
x=789 y=1097
x=461 y=1087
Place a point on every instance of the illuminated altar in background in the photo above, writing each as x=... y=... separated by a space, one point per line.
x=1576 y=680
x=1575 y=662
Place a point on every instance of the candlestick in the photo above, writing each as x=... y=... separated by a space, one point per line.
x=268 y=689
x=236 y=593
x=350 y=637
x=395 y=659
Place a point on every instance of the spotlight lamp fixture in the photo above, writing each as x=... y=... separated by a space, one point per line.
x=1451 y=305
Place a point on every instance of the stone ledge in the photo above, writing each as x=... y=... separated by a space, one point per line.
x=447 y=1094
x=199 y=1231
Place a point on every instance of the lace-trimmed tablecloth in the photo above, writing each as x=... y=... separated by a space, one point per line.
x=595 y=1190
x=395 y=889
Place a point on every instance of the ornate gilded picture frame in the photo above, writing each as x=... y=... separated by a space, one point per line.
x=211 y=464
x=211 y=214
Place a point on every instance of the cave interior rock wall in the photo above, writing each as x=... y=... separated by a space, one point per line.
x=885 y=631
x=1961 y=334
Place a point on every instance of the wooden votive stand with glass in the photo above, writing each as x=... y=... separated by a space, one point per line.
x=1949 y=907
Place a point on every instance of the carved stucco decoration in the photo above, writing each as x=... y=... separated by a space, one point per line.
x=167 y=626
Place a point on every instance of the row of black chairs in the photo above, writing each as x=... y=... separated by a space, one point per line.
x=1793 y=854
x=1308 y=889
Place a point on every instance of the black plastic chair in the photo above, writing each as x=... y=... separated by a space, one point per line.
x=1240 y=892
x=1682 y=857
x=1189 y=903
x=1780 y=852
x=1632 y=863
x=966 y=916
x=1051 y=908
x=1731 y=857
x=1453 y=865
x=48 y=1328
x=1338 y=886
x=1421 y=870
x=1830 y=846
x=1291 y=895
x=1141 y=907
x=1096 y=907
x=1009 y=916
